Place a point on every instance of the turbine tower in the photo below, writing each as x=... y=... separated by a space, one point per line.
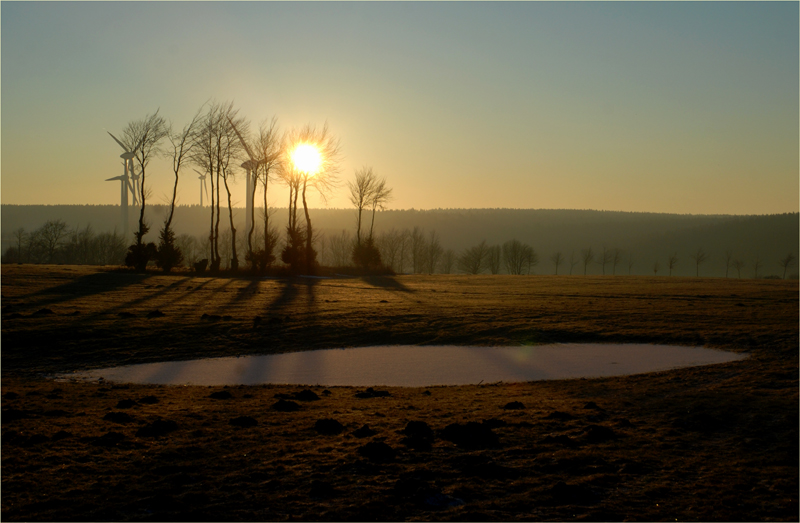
x=203 y=185
x=125 y=183
x=251 y=167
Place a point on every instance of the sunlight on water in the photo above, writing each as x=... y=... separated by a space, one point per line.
x=417 y=366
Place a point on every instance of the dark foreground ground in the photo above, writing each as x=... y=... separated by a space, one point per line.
x=707 y=443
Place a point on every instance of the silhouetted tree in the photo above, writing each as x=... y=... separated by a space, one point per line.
x=630 y=263
x=448 y=261
x=655 y=268
x=169 y=254
x=616 y=258
x=361 y=190
x=557 y=259
x=587 y=255
x=672 y=261
x=20 y=236
x=786 y=262
x=738 y=265
x=573 y=261
x=699 y=257
x=268 y=154
x=51 y=234
x=605 y=257
x=756 y=267
x=434 y=253
x=341 y=247
x=494 y=259
x=418 y=250
x=516 y=256
x=381 y=195
x=728 y=262
x=474 y=259
x=324 y=180
x=142 y=137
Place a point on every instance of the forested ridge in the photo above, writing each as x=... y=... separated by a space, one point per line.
x=642 y=239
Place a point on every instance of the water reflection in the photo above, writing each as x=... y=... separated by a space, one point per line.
x=417 y=366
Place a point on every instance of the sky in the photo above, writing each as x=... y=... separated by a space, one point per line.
x=684 y=107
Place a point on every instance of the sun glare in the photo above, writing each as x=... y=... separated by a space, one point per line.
x=306 y=158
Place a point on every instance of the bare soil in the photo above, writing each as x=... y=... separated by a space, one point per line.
x=707 y=443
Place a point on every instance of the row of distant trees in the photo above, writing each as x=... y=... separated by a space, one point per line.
x=413 y=251
x=56 y=242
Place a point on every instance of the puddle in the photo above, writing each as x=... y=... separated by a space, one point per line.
x=417 y=366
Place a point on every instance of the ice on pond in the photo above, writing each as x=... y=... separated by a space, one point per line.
x=417 y=365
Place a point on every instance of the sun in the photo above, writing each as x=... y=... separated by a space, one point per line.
x=307 y=158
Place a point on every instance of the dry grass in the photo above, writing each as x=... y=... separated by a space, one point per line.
x=707 y=443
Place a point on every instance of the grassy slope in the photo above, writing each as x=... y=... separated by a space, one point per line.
x=717 y=442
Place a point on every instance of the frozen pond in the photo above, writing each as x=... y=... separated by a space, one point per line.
x=417 y=366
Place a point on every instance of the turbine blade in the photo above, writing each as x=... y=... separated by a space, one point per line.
x=120 y=177
x=120 y=143
x=246 y=148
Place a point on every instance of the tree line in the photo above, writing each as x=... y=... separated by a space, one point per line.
x=410 y=250
x=217 y=144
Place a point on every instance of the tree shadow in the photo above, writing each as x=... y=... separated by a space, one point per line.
x=84 y=286
x=386 y=282
x=290 y=292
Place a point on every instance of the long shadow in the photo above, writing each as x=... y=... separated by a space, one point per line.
x=290 y=292
x=385 y=282
x=83 y=286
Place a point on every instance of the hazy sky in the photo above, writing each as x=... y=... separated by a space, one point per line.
x=669 y=107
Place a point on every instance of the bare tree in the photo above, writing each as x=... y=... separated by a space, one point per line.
x=268 y=153
x=605 y=257
x=361 y=190
x=322 y=177
x=786 y=262
x=341 y=246
x=738 y=265
x=434 y=253
x=182 y=144
x=573 y=261
x=672 y=261
x=655 y=268
x=474 y=260
x=516 y=256
x=630 y=263
x=381 y=195
x=587 y=255
x=418 y=251
x=494 y=259
x=699 y=257
x=615 y=260
x=448 y=261
x=533 y=259
x=405 y=248
x=388 y=244
x=756 y=267
x=51 y=234
x=728 y=262
x=557 y=258
x=20 y=236
x=143 y=138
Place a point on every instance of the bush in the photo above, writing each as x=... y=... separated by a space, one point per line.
x=366 y=255
x=168 y=255
x=139 y=254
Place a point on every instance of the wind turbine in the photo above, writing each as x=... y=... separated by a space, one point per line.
x=125 y=183
x=203 y=184
x=250 y=166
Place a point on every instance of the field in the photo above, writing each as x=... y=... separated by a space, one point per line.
x=705 y=443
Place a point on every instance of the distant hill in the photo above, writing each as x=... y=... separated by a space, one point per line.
x=644 y=237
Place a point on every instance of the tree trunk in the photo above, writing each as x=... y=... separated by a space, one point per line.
x=309 y=251
x=234 y=258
